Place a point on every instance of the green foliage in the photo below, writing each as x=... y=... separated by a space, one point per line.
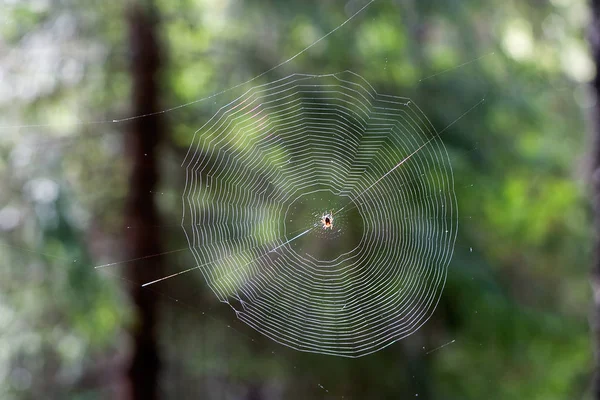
x=516 y=299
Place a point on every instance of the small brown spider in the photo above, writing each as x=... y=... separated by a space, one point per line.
x=327 y=221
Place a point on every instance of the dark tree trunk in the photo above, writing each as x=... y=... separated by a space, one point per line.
x=594 y=39
x=141 y=214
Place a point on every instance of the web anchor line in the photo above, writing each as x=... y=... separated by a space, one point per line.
x=456 y=67
x=437 y=135
x=441 y=347
x=120 y=120
x=205 y=264
x=140 y=258
x=292 y=239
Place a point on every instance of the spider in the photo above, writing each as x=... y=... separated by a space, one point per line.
x=327 y=221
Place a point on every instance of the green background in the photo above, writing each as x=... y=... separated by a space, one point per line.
x=516 y=302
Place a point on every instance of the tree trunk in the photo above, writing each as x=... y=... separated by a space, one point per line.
x=141 y=214
x=594 y=39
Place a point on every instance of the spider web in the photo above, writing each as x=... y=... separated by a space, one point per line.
x=262 y=172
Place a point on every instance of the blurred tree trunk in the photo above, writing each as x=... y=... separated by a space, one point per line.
x=594 y=39
x=141 y=214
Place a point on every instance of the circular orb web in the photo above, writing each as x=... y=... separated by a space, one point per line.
x=266 y=168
